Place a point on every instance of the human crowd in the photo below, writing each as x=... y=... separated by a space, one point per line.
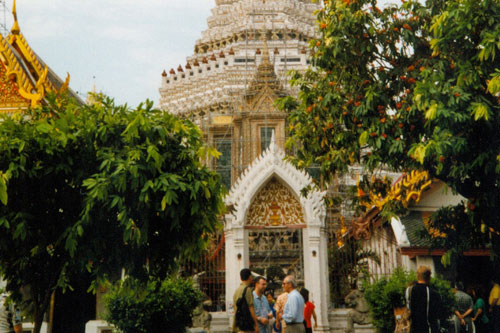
x=258 y=311
x=292 y=312
x=473 y=310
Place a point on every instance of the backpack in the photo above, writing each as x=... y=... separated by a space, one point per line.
x=243 y=318
x=403 y=315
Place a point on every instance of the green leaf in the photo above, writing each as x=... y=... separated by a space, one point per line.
x=494 y=85
x=79 y=230
x=480 y=111
x=431 y=112
x=163 y=203
x=44 y=127
x=363 y=138
x=3 y=191
x=419 y=153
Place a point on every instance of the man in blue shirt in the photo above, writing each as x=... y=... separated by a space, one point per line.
x=262 y=309
x=293 y=314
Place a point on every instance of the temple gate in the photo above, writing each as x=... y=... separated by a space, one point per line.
x=269 y=221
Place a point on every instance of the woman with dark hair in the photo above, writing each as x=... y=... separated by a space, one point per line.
x=480 y=318
x=308 y=311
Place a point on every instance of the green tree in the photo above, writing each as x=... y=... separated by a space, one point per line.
x=408 y=87
x=99 y=188
x=136 y=307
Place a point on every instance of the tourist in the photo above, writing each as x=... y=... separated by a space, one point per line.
x=271 y=301
x=262 y=308
x=424 y=303
x=464 y=306
x=308 y=311
x=293 y=314
x=480 y=318
x=6 y=315
x=244 y=292
x=279 y=306
x=494 y=301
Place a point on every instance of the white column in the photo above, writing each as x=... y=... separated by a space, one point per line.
x=237 y=258
x=316 y=272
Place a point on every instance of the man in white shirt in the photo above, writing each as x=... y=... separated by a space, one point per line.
x=293 y=313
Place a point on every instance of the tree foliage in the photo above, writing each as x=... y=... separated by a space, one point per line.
x=99 y=188
x=407 y=87
x=158 y=305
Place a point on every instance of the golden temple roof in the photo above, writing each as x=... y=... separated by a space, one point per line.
x=25 y=79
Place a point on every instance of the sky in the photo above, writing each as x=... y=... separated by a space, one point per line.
x=122 y=46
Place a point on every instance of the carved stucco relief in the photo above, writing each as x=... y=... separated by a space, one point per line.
x=275 y=205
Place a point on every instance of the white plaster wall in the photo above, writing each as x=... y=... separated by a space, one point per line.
x=438 y=196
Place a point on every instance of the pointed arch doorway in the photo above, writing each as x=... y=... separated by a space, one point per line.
x=270 y=222
x=274 y=226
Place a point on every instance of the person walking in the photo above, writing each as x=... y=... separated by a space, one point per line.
x=464 y=306
x=424 y=303
x=293 y=314
x=480 y=317
x=494 y=302
x=308 y=311
x=262 y=308
x=243 y=296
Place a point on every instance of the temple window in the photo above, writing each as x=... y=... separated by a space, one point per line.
x=265 y=137
x=223 y=166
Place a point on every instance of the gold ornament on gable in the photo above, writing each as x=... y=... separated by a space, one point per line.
x=275 y=206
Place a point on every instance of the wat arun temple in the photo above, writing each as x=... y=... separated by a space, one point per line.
x=229 y=86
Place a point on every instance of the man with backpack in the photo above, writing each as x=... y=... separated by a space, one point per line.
x=245 y=320
x=424 y=303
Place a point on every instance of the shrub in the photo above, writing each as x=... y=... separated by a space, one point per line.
x=137 y=307
x=386 y=294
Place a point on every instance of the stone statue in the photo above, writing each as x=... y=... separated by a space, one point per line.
x=360 y=311
x=201 y=315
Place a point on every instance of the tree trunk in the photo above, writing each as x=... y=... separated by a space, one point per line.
x=37 y=318
x=39 y=312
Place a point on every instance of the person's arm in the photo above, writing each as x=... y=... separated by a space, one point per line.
x=315 y=319
x=478 y=313
x=269 y=311
x=278 y=319
x=252 y=312
x=468 y=312
x=290 y=309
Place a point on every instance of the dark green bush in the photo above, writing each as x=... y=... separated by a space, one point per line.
x=388 y=293
x=156 y=306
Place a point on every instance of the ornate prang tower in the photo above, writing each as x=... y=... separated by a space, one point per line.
x=239 y=67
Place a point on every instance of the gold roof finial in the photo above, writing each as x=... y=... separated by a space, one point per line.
x=15 y=27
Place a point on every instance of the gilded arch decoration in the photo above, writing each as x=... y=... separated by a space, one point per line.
x=275 y=205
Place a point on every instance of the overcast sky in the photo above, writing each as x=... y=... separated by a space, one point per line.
x=124 y=44
x=121 y=45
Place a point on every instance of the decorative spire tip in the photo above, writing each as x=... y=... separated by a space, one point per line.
x=15 y=30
